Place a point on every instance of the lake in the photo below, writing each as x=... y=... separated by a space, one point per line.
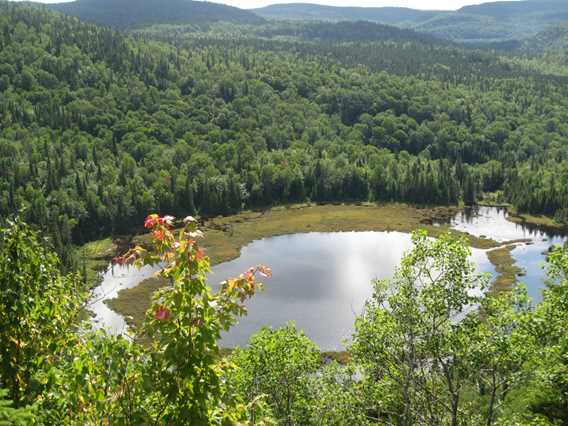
x=321 y=280
x=492 y=222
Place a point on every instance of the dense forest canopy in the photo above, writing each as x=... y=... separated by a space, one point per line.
x=98 y=128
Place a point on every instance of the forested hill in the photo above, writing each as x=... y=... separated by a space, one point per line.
x=127 y=14
x=553 y=38
x=346 y=31
x=550 y=10
x=316 y=12
x=97 y=129
x=491 y=22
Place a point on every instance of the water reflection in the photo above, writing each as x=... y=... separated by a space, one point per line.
x=492 y=222
x=114 y=279
x=320 y=281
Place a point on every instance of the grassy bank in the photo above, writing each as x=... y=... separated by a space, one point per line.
x=505 y=267
x=543 y=222
x=225 y=236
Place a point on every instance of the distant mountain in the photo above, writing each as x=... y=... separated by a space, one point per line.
x=346 y=31
x=315 y=12
x=128 y=14
x=486 y=23
x=552 y=10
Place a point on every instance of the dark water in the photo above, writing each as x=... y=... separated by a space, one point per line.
x=492 y=222
x=321 y=280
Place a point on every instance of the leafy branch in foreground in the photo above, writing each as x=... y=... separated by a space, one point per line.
x=186 y=321
x=424 y=347
x=75 y=376
x=38 y=309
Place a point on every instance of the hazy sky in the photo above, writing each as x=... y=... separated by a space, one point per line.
x=415 y=4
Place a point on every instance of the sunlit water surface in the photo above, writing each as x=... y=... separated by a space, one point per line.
x=321 y=280
x=492 y=222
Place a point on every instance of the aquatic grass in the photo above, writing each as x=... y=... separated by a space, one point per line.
x=507 y=271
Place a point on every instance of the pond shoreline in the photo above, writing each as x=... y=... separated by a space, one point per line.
x=226 y=236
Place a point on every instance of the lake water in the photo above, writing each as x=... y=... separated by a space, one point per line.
x=321 y=280
x=492 y=222
x=114 y=279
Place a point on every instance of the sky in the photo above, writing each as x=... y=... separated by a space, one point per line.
x=414 y=4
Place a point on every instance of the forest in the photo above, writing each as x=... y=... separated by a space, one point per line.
x=98 y=128
x=108 y=132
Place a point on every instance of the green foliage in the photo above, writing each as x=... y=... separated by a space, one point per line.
x=424 y=348
x=100 y=380
x=10 y=416
x=549 y=389
x=78 y=377
x=38 y=307
x=547 y=190
x=185 y=325
x=336 y=397
x=277 y=364
x=499 y=350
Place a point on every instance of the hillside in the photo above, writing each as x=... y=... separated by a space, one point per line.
x=553 y=38
x=345 y=31
x=351 y=43
x=545 y=52
x=306 y=11
x=126 y=14
x=99 y=128
x=549 y=10
x=512 y=19
x=490 y=22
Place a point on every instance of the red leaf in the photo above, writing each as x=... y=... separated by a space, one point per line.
x=162 y=314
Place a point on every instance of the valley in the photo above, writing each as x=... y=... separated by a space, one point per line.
x=242 y=197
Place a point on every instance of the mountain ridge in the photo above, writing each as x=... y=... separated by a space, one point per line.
x=129 y=14
x=487 y=22
x=315 y=11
